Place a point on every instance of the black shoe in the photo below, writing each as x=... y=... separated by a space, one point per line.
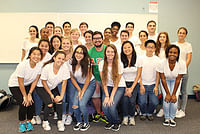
x=104 y=118
x=142 y=117
x=150 y=118
x=85 y=127
x=172 y=123
x=116 y=127
x=91 y=117
x=166 y=122
x=109 y=126
x=77 y=126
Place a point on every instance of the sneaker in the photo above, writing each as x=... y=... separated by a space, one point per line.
x=85 y=127
x=29 y=126
x=142 y=117
x=97 y=118
x=77 y=126
x=63 y=118
x=46 y=126
x=109 y=126
x=60 y=126
x=150 y=117
x=33 y=121
x=166 y=122
x=180 y=114
x=104 y=118
x=116 y=127
x=172 y=123
x=22 y=127
x=132 y=121
x=91 y=117
x=38 y=120
x=68 y=120
x=125 y=121
x=55 y=117
x=160 y=113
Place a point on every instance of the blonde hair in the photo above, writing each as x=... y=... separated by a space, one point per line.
x=74 y=30
x=70 y=40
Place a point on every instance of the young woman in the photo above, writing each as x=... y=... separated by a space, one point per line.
x=55 y=44
x=84 y=83
x=143 y=36
x=66 y=28
x=88 y=39
x=107 y=36
x=30 y=41
x=162 y=44
x=113 y=85
x=44 y=46
x=22 y=83
x=131 y=73
x=58 y=31
x=75 y=34
x=171 y=71
x=186 y=56
x=53 y=73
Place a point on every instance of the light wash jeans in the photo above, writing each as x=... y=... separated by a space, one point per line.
x=170 y=108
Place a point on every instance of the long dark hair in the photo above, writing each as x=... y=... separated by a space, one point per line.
x=85 y=62
x=124 y=58
x=36 y=28
x=51 y=49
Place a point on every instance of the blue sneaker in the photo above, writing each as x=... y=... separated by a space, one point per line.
x=22 y=127
x=29 y=126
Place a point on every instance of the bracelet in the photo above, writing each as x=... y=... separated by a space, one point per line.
x=107 y=96
x=29 y=93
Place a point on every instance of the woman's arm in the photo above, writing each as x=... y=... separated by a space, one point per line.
x=177 y=82
x=44 y=83
x=23 y=91
x=189 y=57
x=164 y=83
x=23 y=54
x=155 y=90
x=62 y=92
x=105 y=89
x=74 y=82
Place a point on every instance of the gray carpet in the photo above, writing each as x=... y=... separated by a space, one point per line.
x=188 y=125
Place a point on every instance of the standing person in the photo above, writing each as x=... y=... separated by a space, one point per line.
x=162 y=44
x=44 y=33
x=113 y=84
x=58 y=31
x=83 y=27
x=44 y=45
x=131 y=73
x=67 y=28
x=124 y=36
x=115 y=26
x=88 y=39
x=148 y=93
x=53 y=73
x=55 y=44
x=75 y=34
x=186 y=56
x=50 y=26
x=143 y=36
x=84 y=84
x=96 y=54
x=107 y=36
x=151 y=27
x=30 y=42
x=171 y=71
x=134 y=39
x=22 y=83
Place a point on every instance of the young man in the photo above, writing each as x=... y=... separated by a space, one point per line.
x=96 y=54
x=134 y=39
x=115 y=26
x=50 y=26
x=83 y=27
x=66 y=28
x=124 y=36
x=151 y=27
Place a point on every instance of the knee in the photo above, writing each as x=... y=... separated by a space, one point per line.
x=50 y=105
x=74 y=107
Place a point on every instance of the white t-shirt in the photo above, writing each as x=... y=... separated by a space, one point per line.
x=149 y=65
x=135 y=40
x=118 y=46
x=25 y=71
x=130 y=73
x=185 y=48
x=162 y=54
x=27 y=45
x=78 y=75
x=110 y=81
x=54 y=79
x=180 y=68
x=154 y=37
x=82 y=40
x=139 y=51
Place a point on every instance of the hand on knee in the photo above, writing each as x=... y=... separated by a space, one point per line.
x=50 y=105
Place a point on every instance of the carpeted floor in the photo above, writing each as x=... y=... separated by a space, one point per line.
x=187 y=125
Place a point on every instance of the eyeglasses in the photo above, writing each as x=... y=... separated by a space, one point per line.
x=77 y=52
x=97 y=38
x=151 y=47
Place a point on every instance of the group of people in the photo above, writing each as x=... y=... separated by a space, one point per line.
x=84 y=69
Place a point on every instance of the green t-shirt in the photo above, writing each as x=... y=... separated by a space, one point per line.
x=96 y=57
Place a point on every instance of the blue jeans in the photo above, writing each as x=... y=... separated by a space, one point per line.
x=170 y=108
x=182 y=102
x=111 y=111
x=128 y=103
x=82 y=105
x=147 y=101
x=37 y=102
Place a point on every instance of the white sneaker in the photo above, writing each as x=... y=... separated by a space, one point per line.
x=55 y=117
x=132 y=121
x=33 y=121
x=45 y=125
x=38 y=119
x=68 y=120
x=172 y=123
x=180 y=114
x=125 y=121
x=160 y=113
x=60 y=126
x=63 y=118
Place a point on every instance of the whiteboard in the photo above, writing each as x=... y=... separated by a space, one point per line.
x=14 y=27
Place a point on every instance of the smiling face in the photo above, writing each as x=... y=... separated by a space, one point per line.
x=97 y=40
x=110 y=53
x=162 y=38
x=127 y=49
x=181 y=34
x=66 y=44
x=124 y=36
x=143 y=37
x=32 y=32
x=151 y=27
x=50 y=28
x=56 y=43
x=79 y=54
x=44 y=33
x=173 y=54
x=115 y=30
x=57 y=31
x=35 y=56
x=130 y=28
x=67 y=28
x=83 y=28
x=59 y=59
x=88 y=38
x=107 y=34
x=75 y=36
x=150 y=49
